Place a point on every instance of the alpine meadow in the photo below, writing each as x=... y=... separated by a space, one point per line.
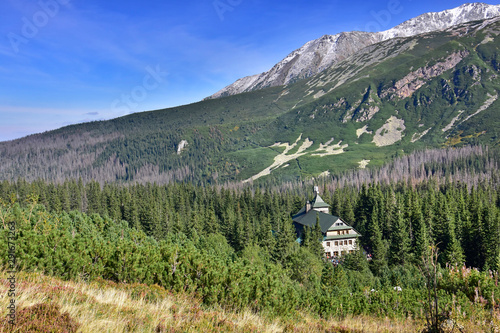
x=353 y=187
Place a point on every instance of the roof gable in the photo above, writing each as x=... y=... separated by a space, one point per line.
x=309 y=219
x=339 y=225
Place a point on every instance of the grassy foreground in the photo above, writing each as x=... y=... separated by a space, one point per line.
x=47 y=304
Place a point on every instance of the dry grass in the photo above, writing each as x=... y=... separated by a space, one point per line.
x=103 y=306
x=108 y=307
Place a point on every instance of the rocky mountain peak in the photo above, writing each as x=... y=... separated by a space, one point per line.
x=319 y=54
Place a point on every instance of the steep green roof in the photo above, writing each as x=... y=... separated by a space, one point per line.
x=319 y=203
x=309 y=219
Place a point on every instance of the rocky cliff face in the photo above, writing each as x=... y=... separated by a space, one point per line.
x=416 y=79
x=317 y=55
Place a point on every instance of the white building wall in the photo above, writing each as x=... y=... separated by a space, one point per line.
x=340 y=232
x=330 y=247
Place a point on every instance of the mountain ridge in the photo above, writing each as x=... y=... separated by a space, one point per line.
x=319 y=54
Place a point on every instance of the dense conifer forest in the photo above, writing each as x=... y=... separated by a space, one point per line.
x=236 y=246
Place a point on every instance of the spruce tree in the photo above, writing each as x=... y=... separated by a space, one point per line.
x=422 y=241
x=363 y=211
x=347 y=212
x=265 y=236
x=446 y=236
x=286 y=243
x=211 y=223
x=316 y=246
x=491 y=238
x=399 y=247
x=378 y=245
x=306 y=237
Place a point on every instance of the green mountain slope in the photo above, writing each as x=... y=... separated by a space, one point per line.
x=431 y=90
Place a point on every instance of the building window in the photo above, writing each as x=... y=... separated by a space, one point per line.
x=336 y=243
x=328 y=244
x=336 y=253
x=350 y=241
x=328 y=255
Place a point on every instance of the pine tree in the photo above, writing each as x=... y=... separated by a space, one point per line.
x=446 y=236
x=285 y=241
x=265 y=236
x=316 y=246
x=306 y=237
x=347 y=212
x=491 y=238
x=363 y=210
x=422 y=241
x=399 y=247
x=378 y=245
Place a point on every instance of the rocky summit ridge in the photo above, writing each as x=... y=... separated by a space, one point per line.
x=319 y=54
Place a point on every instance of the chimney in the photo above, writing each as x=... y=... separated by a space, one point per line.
x=308 y=206
x=316 y=190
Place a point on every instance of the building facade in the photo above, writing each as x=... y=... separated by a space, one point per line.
x=339 y=238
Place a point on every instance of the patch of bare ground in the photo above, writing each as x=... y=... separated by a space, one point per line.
x=390 y=133
x=362 y=130
x=418 y=136
x=326 y=149
x=363 y=164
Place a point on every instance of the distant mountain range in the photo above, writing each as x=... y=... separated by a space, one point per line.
x=319 y=54
x=352 y=100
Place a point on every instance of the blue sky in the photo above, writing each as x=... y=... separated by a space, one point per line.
x=69 y=61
